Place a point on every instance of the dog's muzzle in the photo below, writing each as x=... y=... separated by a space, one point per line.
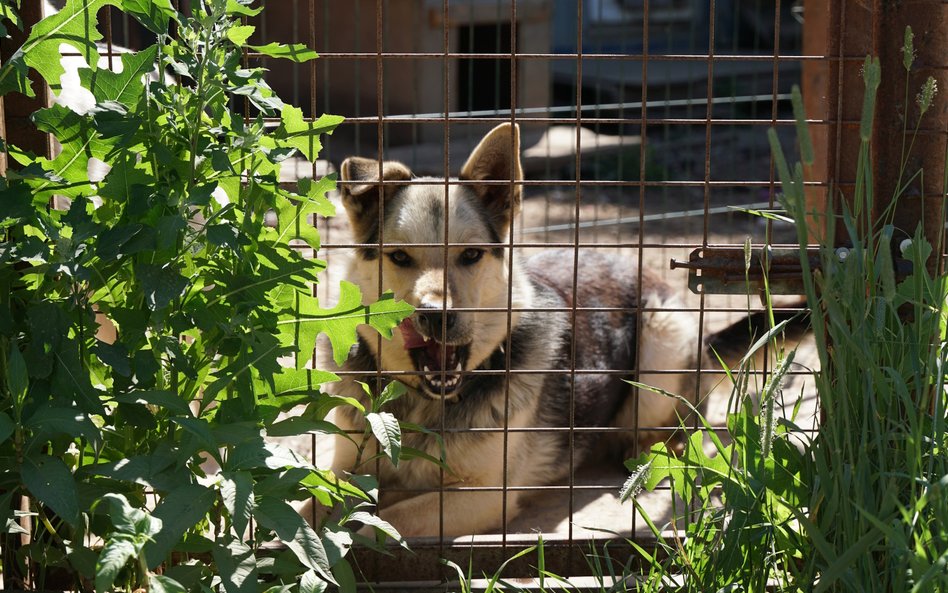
x=442 y=364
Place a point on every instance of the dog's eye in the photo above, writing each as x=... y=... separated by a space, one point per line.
x=400 y=258
x=471 y=256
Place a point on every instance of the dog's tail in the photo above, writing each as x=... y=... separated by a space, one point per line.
x=733 y=343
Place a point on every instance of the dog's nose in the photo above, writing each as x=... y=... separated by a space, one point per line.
x=430 y=321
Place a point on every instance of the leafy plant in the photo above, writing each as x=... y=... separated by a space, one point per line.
x=105 y=434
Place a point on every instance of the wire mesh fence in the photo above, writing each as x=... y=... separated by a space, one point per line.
x=642 y=135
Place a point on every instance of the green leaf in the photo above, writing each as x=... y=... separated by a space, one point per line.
x=299 y=537
x=51 y=482
x=254 y=455
x=242 y=8
x=237 y=494
x=297 y=219
x=202 y=431
x=311 y=583
x=386 y=430
x=79 y=142
x=127 y=519
x=239 y=34
x=116 y=553
x=50 y=420
x=295 y=132
x=380 y=524
x=160 y=283
x=17 y=375
x=161 y=584
x=115 y=355
x=181 y=510
x=392 y=391
x=300 y=381
x=339 y=323
x=346 y=577
x=236 y=566
x=155 y=15
x=76 y=24
x=162 y=399
x=296 y=52
x=6 y=426
x=328 y=481
x=125 y=87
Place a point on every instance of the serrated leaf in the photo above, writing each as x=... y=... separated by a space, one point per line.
x=339 y=323
x=300 y=381
x=293 y=531
x=180 y=510
x=125 y=87
x=224 y=235
x=239 y=34
x=79 y=144
x=386 y=429
x=51 y=482
x=161 y=284
x=242 y=8
x=304 y=135
x=295 y=52
x=76 y=24
x=115 y=554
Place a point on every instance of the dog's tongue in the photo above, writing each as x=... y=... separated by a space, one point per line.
x=435 y=352
x=411 y=337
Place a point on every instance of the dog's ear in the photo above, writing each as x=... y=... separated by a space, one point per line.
x=497 y=158
x=361 y=191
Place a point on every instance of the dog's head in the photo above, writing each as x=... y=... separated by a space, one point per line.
x=472 y=216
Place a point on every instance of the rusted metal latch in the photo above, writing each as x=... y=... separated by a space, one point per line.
x=731 y=270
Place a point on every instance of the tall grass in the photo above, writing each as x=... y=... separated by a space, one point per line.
x=864 y=507
x=877 y=514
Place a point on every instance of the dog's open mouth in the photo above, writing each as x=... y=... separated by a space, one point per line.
x=441 y=363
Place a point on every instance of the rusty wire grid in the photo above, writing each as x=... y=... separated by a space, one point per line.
x=640 y=168
x=642 y=124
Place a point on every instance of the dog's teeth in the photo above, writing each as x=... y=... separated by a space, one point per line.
x=458 y=367
x=426 y=369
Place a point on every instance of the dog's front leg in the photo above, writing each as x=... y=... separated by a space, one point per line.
x=464 y=512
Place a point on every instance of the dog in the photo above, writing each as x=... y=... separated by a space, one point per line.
x=480 y=310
